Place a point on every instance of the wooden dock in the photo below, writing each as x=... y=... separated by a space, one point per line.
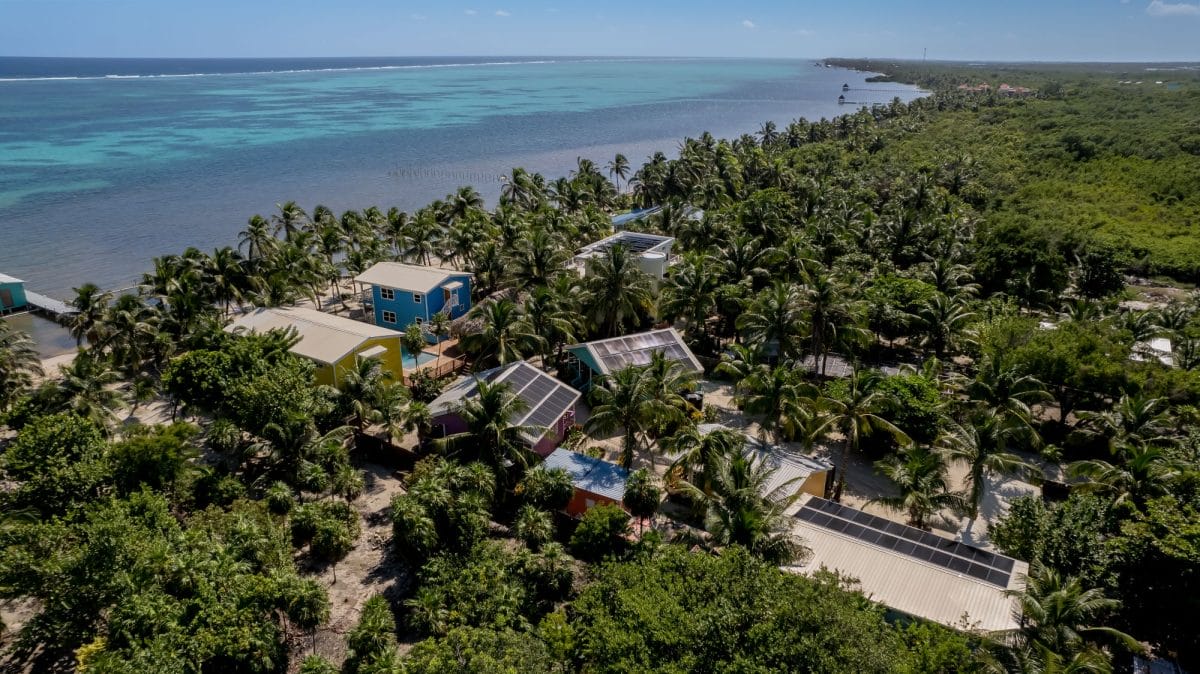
x=48 y=305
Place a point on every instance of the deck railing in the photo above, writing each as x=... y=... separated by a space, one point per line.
x=438 y=368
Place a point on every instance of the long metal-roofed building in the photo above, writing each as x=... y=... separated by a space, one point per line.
x=548 y=403
x=595 y=481
x=914 y=572
x=652 y=252
x=332 y=342
x=605 y=356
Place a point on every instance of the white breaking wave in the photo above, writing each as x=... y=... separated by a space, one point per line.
x=315 y=70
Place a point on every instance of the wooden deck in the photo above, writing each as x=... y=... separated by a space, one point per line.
x=48 y=305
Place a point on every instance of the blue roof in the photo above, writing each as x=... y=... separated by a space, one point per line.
x=595 y=476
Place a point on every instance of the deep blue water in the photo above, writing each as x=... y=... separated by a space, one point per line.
x=134 y=158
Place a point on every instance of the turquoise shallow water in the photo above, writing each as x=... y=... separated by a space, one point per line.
x=99 y=173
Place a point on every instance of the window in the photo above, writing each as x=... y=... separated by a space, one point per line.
x=389 y=317
x=387 y=293
x=417 y=297
x=419 y=320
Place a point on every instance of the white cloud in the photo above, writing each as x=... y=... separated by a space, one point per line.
x=470 y=12
x=1160 y=8
x=419 y=17
x=501 y=12
x=747 y=23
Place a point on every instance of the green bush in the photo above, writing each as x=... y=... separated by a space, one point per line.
x=601 y=533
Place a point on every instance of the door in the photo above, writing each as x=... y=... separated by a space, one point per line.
x=6 y=300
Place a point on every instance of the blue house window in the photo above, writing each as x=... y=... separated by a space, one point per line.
x=417 y=297
x=387 y=293
x=389 y=317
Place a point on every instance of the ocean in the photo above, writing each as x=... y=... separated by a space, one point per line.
x=106 y=163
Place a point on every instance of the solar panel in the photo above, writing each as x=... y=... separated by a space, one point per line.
x=911 y=542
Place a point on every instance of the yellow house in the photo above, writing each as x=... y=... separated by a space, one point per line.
x=332 y=342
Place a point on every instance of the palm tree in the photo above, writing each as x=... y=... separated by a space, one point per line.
x=698 y=455
x=439 y=327
x=225 y=277
x=774 y=320
x=942 y=321
x=88 y=388
x=983 y=445
x=1001 y=389
x=1057 y=614
x=742 y=510
x=537 y=260
x=290 y=219
x=1141 y=472
x=505 y=335
x=690 y=292
x=920 y=475
x=19 y=364
x=257 y=239
x=363 y=388
x=778 y=396
x=618 y=291
x=618 y=169
x=551 y=320
x=1138 y=419
x=491 y=434
x=90 y=304
x=856 y=413
x=833 y=316
x=625 y=400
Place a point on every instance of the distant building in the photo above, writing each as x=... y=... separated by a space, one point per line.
x=403 y=294
x=653 y=252
x=595 y=481
x=623 y=220
x=549 y=404
x=332 y=342
x=913 y=572
x=605 y=356
x=12 y=294
x=982 y=88
x=795 y=474
x=1014 y=92
x=1155 y=348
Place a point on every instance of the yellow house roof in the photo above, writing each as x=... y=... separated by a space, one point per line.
x=324 y=338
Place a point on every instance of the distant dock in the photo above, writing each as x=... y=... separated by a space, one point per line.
x=16 y=299
x=48 y=305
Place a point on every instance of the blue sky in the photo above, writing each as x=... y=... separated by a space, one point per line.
x=966 y=29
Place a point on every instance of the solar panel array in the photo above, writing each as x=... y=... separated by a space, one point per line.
x=545 y=397
x=634 y=243
x=622 y=352
x=920 y=545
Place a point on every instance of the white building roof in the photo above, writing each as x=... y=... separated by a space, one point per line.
x=324 y=338
x=789 y=468
x=938 y=579
x=5 y=278
x=409 y=277
x=638 y=244
x=546 y=398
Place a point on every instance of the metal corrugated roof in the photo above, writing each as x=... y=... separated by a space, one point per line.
x=323 y=337
x=911 y=586
x=409 y=277
x=546 y=398
x=595 y=476
x=5 y=278
x=618 y=353
x=636 y=243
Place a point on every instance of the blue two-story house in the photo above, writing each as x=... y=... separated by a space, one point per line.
x=403 y=294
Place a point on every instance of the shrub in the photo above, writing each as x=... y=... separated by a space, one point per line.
x=547 y=489
x=534 y=527
x=601 y=533
x=374 y=635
